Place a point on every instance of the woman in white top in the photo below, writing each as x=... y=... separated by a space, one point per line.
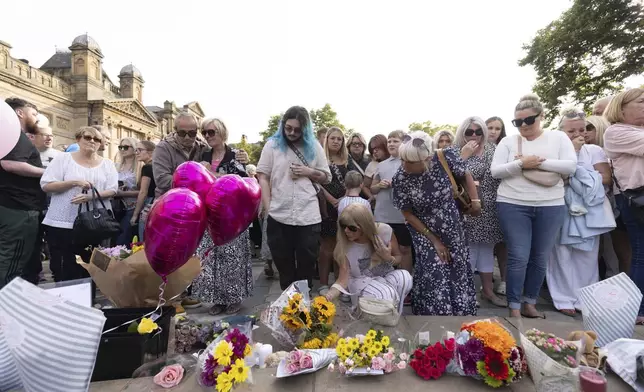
x=65 y=180
x=367 y=253
x=530 y=214
x=571 y=268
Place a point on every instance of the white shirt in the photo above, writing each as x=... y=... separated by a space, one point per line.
x=62 y=212
x=48 y=155
x=561 y=158
x=294 y=202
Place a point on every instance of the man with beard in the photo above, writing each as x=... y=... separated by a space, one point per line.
x=21 y=198
x=290 y=168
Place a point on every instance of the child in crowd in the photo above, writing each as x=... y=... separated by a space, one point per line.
x=353 y=184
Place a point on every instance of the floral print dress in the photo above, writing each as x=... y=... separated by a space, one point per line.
x=484 y=229
x=441 y=289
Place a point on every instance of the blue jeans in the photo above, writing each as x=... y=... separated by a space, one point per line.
x=635 y=231
x=125 y=238
x=530 y=234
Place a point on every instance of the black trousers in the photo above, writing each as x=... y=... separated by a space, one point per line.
x=32 y=270
x=63 y=255
x=294 y=249
x=18 y=232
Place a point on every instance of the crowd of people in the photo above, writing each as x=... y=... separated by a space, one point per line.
x=404 y=217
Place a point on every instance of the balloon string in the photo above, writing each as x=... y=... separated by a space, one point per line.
x=160 y=305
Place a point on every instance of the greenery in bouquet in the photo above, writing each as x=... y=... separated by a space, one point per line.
x=370 y=351
x=314 y=324
x=562 y=352
x=486 y=350
x=225 y=367
x=430 y=362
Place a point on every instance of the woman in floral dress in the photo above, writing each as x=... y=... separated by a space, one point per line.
x=226 y=278
x=482 y=232
x=443 y=279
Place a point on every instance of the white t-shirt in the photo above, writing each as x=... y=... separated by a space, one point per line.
x=48 y=155
x=561 y=158
x=589 y=155
x=62 y=212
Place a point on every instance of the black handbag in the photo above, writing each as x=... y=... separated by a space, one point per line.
x=634 y=198
x=95 y=225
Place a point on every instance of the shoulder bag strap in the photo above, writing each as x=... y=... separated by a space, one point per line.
x=612 y=173
x=305 y=163
x=443 y=161
x=96 y=196
x=356 y=165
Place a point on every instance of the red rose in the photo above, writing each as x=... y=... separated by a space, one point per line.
x=415 y=364
x=441 y=364
x=424 y=372
x=434 y=373
x=418 y=354
x=431 y=353
x=438 y=348
x=450 y=345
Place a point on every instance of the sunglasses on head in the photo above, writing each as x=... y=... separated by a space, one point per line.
x=209 y=132
x=518 y=122
x=192 y=134
x=416 y=142
x=581 y=115
x=351 y=228
x=124 y=148
x=92 y=138
x=470 y=132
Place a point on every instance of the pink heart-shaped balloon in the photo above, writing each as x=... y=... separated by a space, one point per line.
x=232 y=205
x=174 y=228
x=194 y=176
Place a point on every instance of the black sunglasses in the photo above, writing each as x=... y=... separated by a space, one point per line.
x=192 y=134
x=289 y=128
x=416 y=142
x=351 y=228
x=124 y=148
x=518 y=122
x=91 y=138
x=470 y=132
x=209 y=132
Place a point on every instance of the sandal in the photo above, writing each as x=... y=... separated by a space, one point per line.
x=533 y=316
x=216 y=310
x=568 y=312
x=234 y=308
x=494 y=300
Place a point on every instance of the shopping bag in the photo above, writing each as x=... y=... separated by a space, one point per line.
x=610 y=308
x=47 y=343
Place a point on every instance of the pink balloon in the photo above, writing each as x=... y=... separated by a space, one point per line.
x=174 y=228
x=194 y=176
x=232 y=205
x=9 y=129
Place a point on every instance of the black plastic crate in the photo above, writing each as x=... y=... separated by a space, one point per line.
x=120 y=352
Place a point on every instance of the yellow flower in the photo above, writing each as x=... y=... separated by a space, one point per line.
x=378 y=347
x=137 y=248
x=342 y=342
x=347 y=351
x=307 y=319
x=314 y=343
x=368 y=340
x=330 y=340
x=293 y=306
x=248 y=350
x=239 y=372
x=146 y=326
x=224 y=382
x=324 y=307
x=385 y=341
x=372 y=334
x=223 y=353
x=372 y=352
x=291 y=322
x=354 y=344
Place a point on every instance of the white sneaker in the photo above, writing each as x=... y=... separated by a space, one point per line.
x=500 y=289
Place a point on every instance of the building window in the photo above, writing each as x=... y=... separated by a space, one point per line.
x=79 y=67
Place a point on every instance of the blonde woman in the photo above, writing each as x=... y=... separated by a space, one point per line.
x=443 y=139
x=145 y=184
x=483 y=232
x=338 y=157
x=367 y=253
x=595 y=128
x=129 y=169
x=443 y=279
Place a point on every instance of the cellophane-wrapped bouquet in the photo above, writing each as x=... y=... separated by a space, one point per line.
x=222 y=365
x=432 y=361
x=297 y=322
x=486 y=350
x=368 y=354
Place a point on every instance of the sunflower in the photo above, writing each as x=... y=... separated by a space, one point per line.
x=347 y=351
x=385 y=341
x=378 y=347
x=354 y=344
x=239 y=371
x=368 y=340
x=342 y=342
x=330 y=340
x=372 y=352
x=372 y=334
x=292 y=308
x=324 y=308
x=314 y=343
x=291 y=322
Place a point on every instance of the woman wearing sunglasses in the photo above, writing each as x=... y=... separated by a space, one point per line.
x=483 y=232
x=367 y=253
x=530 y=201
x=443 y=279
x=226 y=278
x=129 y=169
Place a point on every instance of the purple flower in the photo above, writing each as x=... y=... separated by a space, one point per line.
x=208 y=379
x=211 y=364
x=471 y=352
x=239 y=342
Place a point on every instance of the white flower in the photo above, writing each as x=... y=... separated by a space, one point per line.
x=331 y=367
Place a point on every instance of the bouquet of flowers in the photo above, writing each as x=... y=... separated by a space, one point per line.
x=305 y=361
x=431 y=362
x=298 y=322
x=122 y=252
x=552 y=360
x=486 y=350
x=368 y=354
x=297 y=361
x=224 y=366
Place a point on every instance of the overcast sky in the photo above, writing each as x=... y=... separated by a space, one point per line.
x=380 y=64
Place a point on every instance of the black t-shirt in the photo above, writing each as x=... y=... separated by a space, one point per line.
x=146 y=171
x=19 y=192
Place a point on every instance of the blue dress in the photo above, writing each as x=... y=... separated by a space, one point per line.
x=442 y=289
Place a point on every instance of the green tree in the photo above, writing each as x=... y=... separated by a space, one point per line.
x=587 y=52
x=429 y=128
x=326 y=117
x=273 y=124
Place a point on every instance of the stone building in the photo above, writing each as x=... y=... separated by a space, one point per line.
x=72 y=90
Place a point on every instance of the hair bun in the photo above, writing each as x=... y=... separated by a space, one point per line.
x=529 y=97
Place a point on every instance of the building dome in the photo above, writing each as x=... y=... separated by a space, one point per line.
x=130 y=70
x=86 y=41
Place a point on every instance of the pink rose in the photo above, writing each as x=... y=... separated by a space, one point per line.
x=389 y=356
x=389 y=367
x=341 y=368
x=378 y=363
x=306 y=362
x=294 y=357
x=169 y=376
x=402 y=365
x=292 y=367
x=404 y=357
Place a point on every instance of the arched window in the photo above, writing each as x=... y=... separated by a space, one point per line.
x=79 y=66
x=96 y=70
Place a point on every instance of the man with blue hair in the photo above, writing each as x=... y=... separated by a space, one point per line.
x=290 y=168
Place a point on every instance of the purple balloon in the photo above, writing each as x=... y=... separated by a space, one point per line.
x=194 y=176
x=174 y=228
x=232 y=205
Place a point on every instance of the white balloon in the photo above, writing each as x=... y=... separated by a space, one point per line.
x=9 y=129
x=43 y=122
